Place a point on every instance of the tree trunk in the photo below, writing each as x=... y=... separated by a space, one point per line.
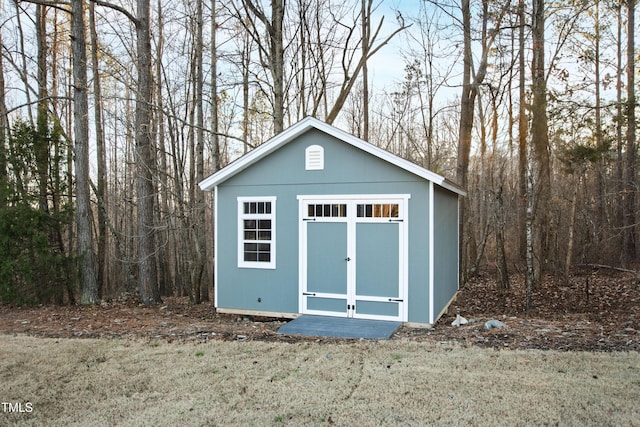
x=522 y=135
x=619 y=174
x=198 y=226
x=467 y=101
x=600 y=167
x=147 y=269
x=572 y=222
x=277 y=64
x=101 y=154
x=88 y=283
x=366 y=30
x=501 y=256
x=273 y=48
x=24 y=72
x=540 y=140
x=4 y=133
x=215 y=140
x=530 y=278
x=629 y=217
x=246 y=63
x=41 y=142
x=166 y=273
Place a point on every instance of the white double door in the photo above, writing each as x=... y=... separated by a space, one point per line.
x=353 y=256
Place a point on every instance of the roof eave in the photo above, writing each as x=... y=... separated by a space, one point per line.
x=208 y=184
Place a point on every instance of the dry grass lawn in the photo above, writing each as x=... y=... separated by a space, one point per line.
x=123 y=382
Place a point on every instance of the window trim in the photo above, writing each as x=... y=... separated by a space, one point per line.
x=257 y=216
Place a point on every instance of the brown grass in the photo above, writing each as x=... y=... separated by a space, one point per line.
x=135 y=383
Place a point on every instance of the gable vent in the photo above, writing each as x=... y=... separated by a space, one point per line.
x=314 y=158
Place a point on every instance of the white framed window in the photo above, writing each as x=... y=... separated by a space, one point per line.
x=257 y=232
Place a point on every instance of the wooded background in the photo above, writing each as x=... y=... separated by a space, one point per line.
x=112 y=112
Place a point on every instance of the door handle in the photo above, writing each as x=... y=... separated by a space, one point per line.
x=347 y=259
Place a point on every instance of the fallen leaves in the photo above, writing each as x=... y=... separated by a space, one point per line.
x=565 y=317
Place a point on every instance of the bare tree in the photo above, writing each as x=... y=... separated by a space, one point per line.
x=366 y=35
x=4 y=133
x=540 y=170
x=147 y=268
x=472 y=78
x=523 y=125
x=88 y=283
x=42 y=138
x=349 y=70
x=199 y=209
x=215 y=137
x=271 y=50
x=630 y=181
x=101 y=172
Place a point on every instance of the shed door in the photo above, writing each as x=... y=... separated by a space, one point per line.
x=353 y=257
x=326 y=285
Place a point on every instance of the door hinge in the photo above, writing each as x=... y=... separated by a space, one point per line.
x=396 y=220
x=308 y=219
x=309 y=294
x=395 y=300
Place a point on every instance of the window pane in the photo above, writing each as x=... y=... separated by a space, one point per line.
x=264 y=224
x=360 y=212
x=250 y=256
x=264 y=257
x=368 y=211
x=394 y=211
x=267 y=207
x=263 y=235
x=250 y=247
x=263 y=247
x=249 y=235
x=250 y=224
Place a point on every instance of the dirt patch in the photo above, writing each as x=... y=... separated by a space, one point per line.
x=596 y=311
x=134 y=382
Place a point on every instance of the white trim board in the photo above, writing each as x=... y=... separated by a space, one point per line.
x=431 y=254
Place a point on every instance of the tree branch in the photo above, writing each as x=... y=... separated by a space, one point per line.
x=51 y=3
x=117 y=8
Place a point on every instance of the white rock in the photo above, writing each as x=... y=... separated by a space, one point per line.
x=459 y=321
x=491 y=324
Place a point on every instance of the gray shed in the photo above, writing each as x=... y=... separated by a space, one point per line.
x=317 y=221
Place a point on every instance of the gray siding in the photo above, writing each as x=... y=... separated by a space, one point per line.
x=445 y=247
x=348 y=170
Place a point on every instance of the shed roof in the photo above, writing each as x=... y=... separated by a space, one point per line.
x=291 y=133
